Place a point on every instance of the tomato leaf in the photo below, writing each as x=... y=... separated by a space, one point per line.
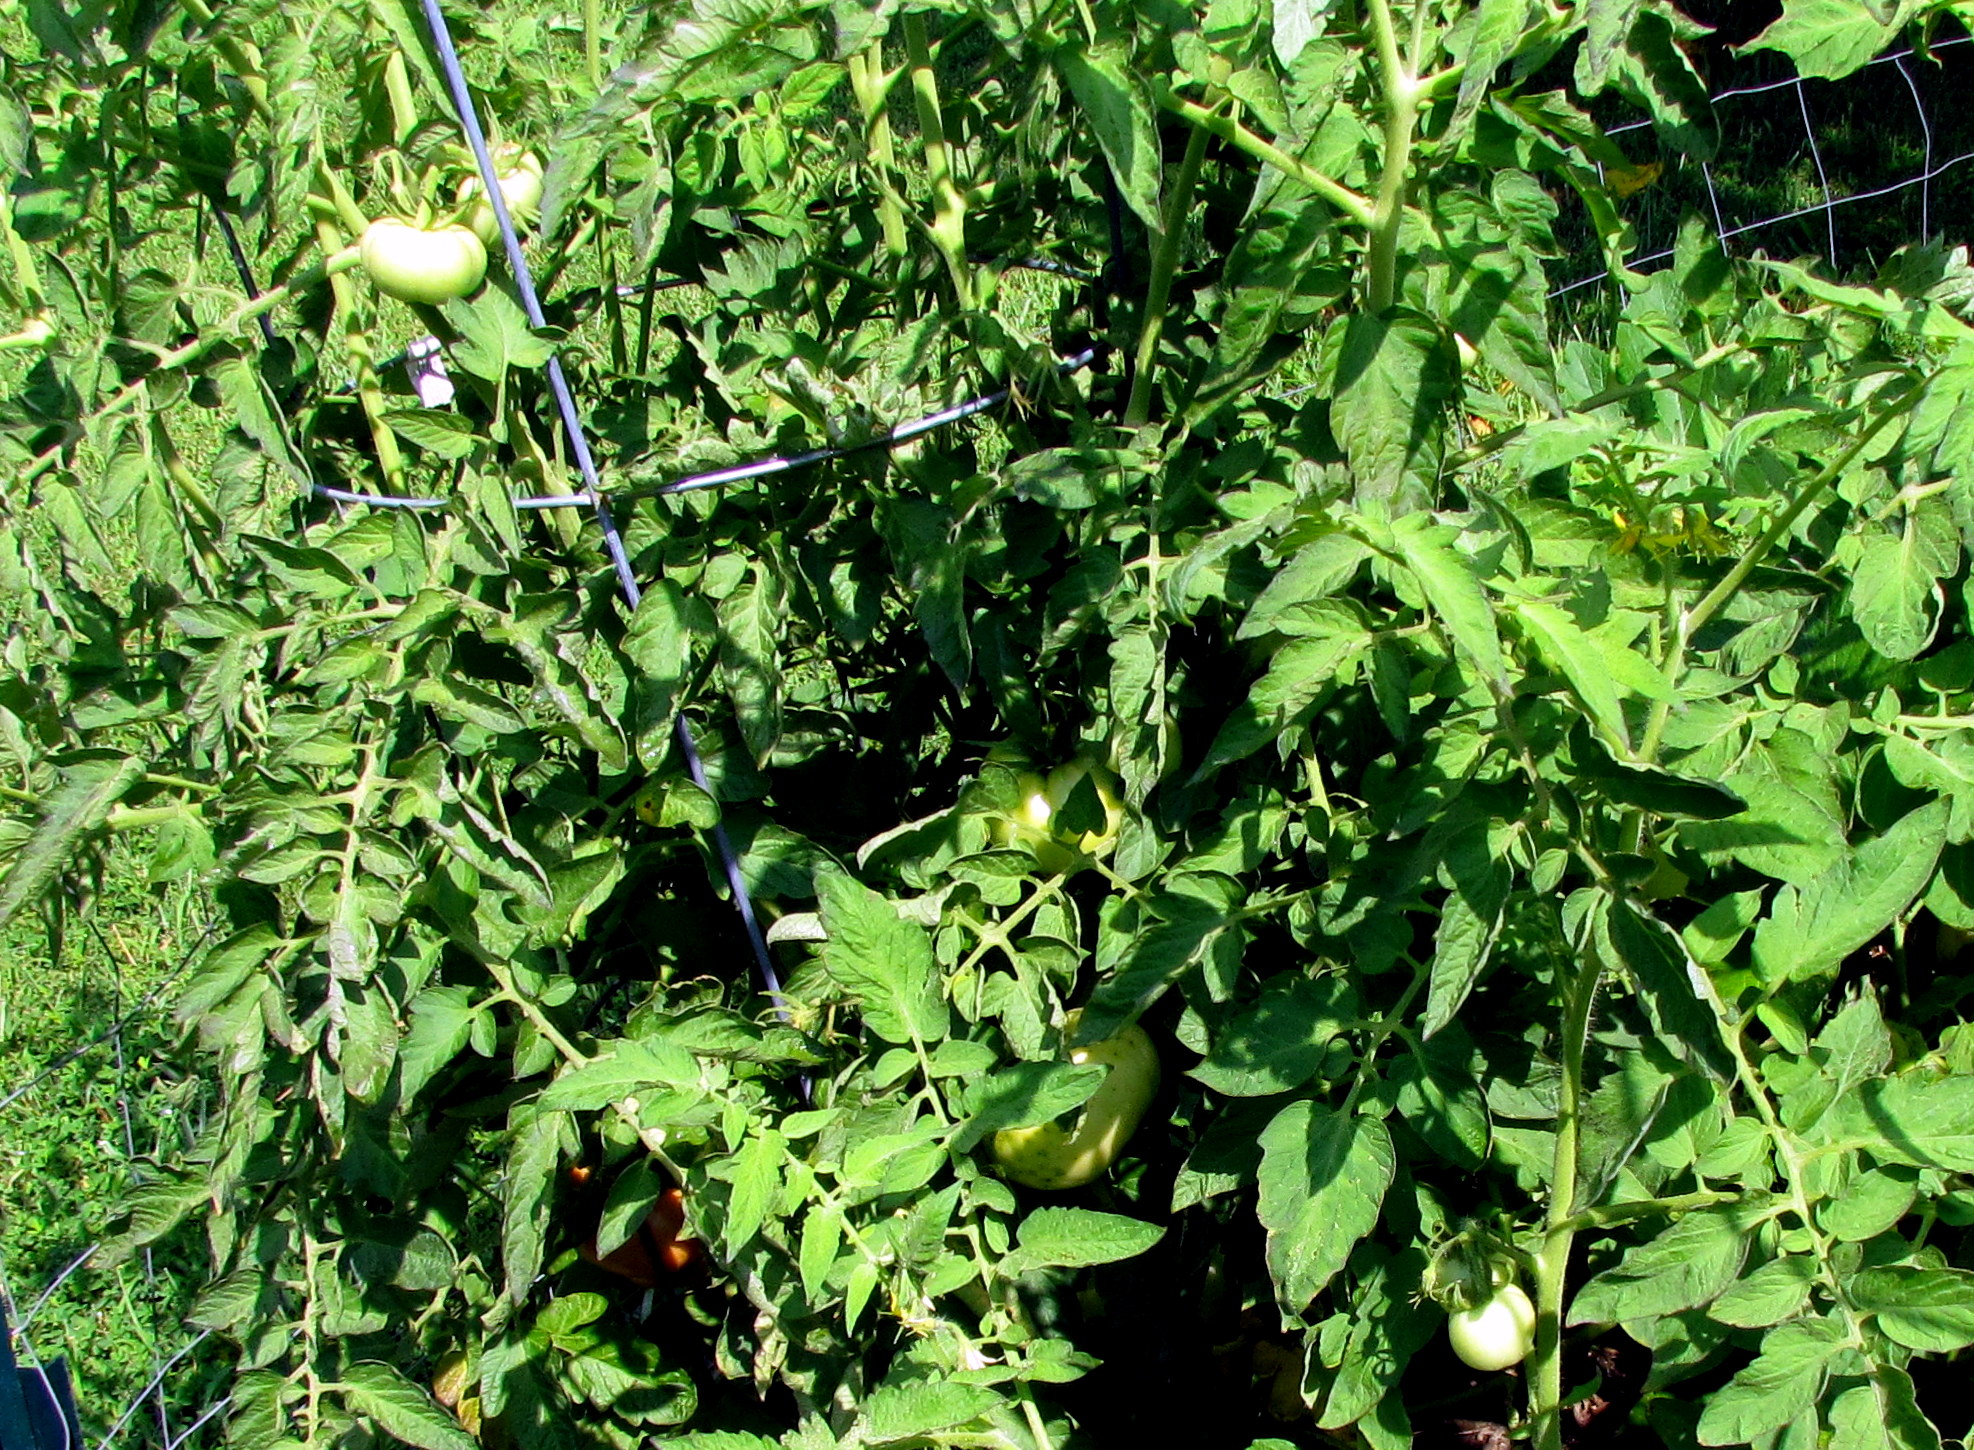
x=1077 y=1238
x=1323 y=1179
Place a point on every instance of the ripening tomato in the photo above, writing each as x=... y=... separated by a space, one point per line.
x=1048 y=1155
x=422 y=264
x=658 y=1246
x=1497 y=1333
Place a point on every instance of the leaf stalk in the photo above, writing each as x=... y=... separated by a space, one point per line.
x=1358 y=208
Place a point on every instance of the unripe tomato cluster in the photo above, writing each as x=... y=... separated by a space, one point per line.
x=414 y=261
x=520 y=176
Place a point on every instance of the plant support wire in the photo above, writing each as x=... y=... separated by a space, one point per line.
x=469 y=120
x=739 y=473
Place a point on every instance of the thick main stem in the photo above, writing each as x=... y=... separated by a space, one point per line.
x=866 y=81
x=369 y=391
x=404 y=105
x=1401 y=119
x=593 y=43
x=1552 y=1264
x=1138 y=411
x=948 y=206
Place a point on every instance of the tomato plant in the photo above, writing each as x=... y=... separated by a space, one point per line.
x=1527 y=785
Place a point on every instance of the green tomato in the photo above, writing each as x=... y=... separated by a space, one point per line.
x=1498 y=1333
x=520 y=176
x=1064 y=779
x=1049 y=1155
x=421 y=264
x=1032 y=823
x=1036 y=808
x=1028 y=823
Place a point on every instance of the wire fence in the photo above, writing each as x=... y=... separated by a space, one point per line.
x=1791 y=176
x=97 y=1082
x=1898 y=133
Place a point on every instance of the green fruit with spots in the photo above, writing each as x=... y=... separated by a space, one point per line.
x=651 y=805
x=1049 y=1155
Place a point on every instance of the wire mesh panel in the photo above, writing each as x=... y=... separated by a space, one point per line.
x=1847 y=170
x=90 y=1103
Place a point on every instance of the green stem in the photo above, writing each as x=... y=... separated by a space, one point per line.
x=342 y=259
x=1358 y=208
x=1376 y=1031
x=1415 y=54
x=995 y=934
x=867 y=81
x=1719 y=595
x=1616 y=1213
x=1499 y=440
x=1138 y=412
x=1401 y=119
x=137 y=818
x=593 y=43
x=179 y=782
x=188 y=487
x=38 y=333
x=948 y=206
x=1033 y=1415
x=397 y=87
x=1552 y=1264
x=369 y=391
x=347 y=211
x=1934 y=722
x=1795 y=1166
x=236 y=56
x=27 y=276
